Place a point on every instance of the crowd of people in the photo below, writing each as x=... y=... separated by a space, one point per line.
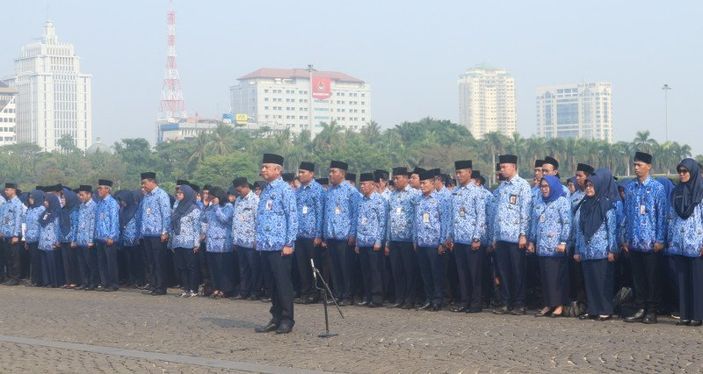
x=420 y=239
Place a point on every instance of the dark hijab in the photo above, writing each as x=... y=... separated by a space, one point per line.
x=687 y=195
x=184 y=207
x=52 y=212
x=555 y=189
x=220 y=194
x=131 y=200
x=38 y=198
x=611 y=186
x=594 y=209
x=668 y=188
x=71 y=202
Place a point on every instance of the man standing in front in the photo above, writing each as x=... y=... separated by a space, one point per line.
x=512 y=211
x=10 y=227
x=155 y=213
x=309 y=199
x=644 y=237
x=107 y=233
x=276 y=231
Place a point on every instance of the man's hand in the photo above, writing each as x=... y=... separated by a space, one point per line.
x=317 y=242
x=14 y=240
x=475 y=245
x=561 y=248
x=196 y=249
x=531 y=247
x=164 y=237
x=387 y=251
x=441 y=250
x=287 y=251
x=323 y=244
x=356 y=250
x=522 y=242
x=611 y=257
x=577 y=258
x=625 y=248
x=376 y=247
x=109 y=242
x=658 y=247
x=74 y=245
x=351 y=240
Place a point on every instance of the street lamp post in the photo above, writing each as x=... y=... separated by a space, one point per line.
x=666 y=90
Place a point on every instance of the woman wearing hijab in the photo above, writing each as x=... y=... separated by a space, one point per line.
x=35 y=209
x=185 y=239
x=129 y=236
x=49 y=240
x=596 y=246
x=686 y=241
x=68 y=221
x=220 y=253
x=549 y=234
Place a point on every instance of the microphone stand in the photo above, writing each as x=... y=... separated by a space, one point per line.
x=325 y=290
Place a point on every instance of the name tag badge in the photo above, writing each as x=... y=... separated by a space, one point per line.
x=337 y=210
x=426 y=217
x=364 y=221
x=643 y=210
x=148 y=211
x=399 y=210
x=269 y=204
x=541 y=218
x=513 y=199
x=462 y=213
x=305 y=209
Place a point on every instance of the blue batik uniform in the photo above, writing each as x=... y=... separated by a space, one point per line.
x=431 y=222
x=11 y=218
x=244 y=224
x=401 y=213
x=512 y=210
x=467 y=221
x=84 y=231
x=489 y=202
x=155 y=213
x=277 y=217
x=31 y=219
x=645 y=215
x=601 y=243
x=686 y=235
x=49 y=236
x=550 y=225
x=371 y=226
x=341 y=204
x=107 y=214
x=189 y=235
x=218 y=235
x=576 y=198
x=310 y=200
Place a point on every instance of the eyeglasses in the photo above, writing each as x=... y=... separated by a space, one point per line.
x=683 y=171
x=544 y=186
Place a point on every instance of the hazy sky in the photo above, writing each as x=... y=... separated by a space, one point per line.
x=411 y=53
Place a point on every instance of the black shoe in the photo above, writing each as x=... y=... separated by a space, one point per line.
x=284 y=328
x=157 y=293
x=80 y=288
x=100 y=288
x=253 y=298
x=436 y=307
x=543 y=312
x=238 y=297
x=518 y=311
x=395 y=305
x=604 y=318
x=650 y=319
x=90 y=288
x=474 y=309
x=375 y=305
x=12 y=282
x=501 y=310
x=696 y=323
x=586 y=316
x=265 y=299
x=459 y=309
x=271 y=326
x=311 y=300
x=424 y=306
x=637 y=317
x=298 y=300
x=683 y=322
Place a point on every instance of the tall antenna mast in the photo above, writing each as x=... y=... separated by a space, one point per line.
x=172 y=104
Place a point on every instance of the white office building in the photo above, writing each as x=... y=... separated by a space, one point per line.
x=580 y=110
x=53 y=96
x=8 y=96
x=487 y=101
x=302 y=99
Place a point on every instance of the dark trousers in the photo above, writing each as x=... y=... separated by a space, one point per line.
x=342 y=259
x=577 y=290
x=469 y=267
x=646 y=275
x=186 y=264
x=304 y=252
x=371 y=271
x=690 y=280
x=70 y=264
x=598 y=279
x=157 y=256
x=35 y=273
x=554 y=279
x=11 y=255
x=266 y=279
x=403 y=266
x=432 y=271
x=670 y=289
x=221 y=269
x=135 y=264
x=107 y=263
x=50 y=268
x=282 y=287
x=510 y=261
x=88 y=265
x=205 y=276
x=249 y=269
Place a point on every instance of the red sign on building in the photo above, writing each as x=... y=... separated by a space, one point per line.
x=321 y=88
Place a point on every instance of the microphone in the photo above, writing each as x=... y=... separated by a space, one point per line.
x=314 y=273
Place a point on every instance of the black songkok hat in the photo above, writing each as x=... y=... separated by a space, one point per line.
x=644 y=157
x=437 y=172
x=305 y=165
x=400 y=170
x=85 y=188
x=270 y=158
x=463 y=164
x=260 y=184
x=54 y=188
x=40 y=188
x=551 y=161
x=339 y=165
x=379 y=174
x=351 y=177
x=104 y=182
x=507 y=159
x=11 y=185
x=288 y=177
x=426 y=174
x=181 y=182
x=539 y=163
x=238 y=182
x=148 y=175
x=195 y=187
x=588 y=169
x=475 y=174
x=366 y=177
x=417 y=170
x=323 y=181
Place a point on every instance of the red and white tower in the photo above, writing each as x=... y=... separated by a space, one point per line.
x=172 y=104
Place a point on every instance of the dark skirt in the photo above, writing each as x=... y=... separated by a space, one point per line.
x=555 y=280
x=598 y=278
x=690 y=280
x=221 y=266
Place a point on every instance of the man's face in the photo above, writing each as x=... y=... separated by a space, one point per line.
x=270 y=172
x=382 y=184
x=427 y=186
x=84 y=196
x=507 y=170
x=103 y=191
x=400 y=181
x=305 y=176
x=148 y=185
x=463 y=176
x=581 y=178
x=538 y=173
x=548 y=169
x=336 y=176
x=414 y=181
x=368 y=187
x=10 y=192
x=438 y=183
x=642 y=169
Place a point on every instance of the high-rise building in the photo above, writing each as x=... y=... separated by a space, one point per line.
x=8 y=95
x=302 y=99
x=487 y=101
x=580 y=110
x=53 y=96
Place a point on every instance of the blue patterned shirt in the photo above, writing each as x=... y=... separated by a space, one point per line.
x=68 y=236
x=468 y=214
x=431 y=222
x=189 y=237
x=84 y=231
x=341 y=203
x=49 y=235
x=276 y=217
x=31 y=219
x=107 y=215
x=155 y=213
x=401 y=215
x=244 y=220
x=550 y=225
x=218 y=236
x=130 y=233
x=512 y=210
x=371 y=227
x=601 y=243
x=11 y=218
x=645 y=214
x=686 y=235
x=310 y=200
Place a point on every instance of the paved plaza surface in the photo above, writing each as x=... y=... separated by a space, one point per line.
x=67 y=331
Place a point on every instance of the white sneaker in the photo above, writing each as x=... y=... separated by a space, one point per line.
x=184 y=294
x=192 y=294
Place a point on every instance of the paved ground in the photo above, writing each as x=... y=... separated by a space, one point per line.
x=43 y=330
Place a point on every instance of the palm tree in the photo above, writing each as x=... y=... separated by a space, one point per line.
x=496 y=143
x=201 y=149
x=221 y=139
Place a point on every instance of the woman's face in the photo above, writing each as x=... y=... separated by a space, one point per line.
x=46 y=204
x=180 y=196
x=544 y=187
x=684 y=175
x=590 y=190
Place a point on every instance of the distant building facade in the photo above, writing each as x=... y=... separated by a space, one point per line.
x=487 y=101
